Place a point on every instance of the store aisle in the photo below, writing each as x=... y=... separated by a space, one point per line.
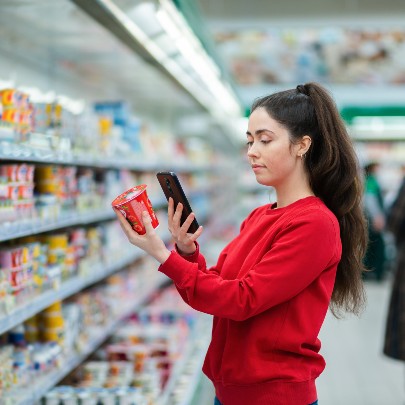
x=357 y=372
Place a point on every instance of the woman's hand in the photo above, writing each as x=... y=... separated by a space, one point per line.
x=183 y=239
x=151 y=243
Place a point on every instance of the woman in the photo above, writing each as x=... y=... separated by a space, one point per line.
x=272 y=285
x=374 y=260
x=394 y=342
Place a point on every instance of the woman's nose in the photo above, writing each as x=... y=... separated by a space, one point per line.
x=252 y=151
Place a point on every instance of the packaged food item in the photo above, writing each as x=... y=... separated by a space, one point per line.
x=53 y=323
x=132 y=203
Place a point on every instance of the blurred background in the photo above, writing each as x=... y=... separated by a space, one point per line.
x=96 y=96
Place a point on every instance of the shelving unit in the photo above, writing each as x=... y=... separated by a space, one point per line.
x=66 y=289
x=9 y=231
x=19 y=229
x=187 y=372
x=22 y=153
x=47 y=381
x=104 y=33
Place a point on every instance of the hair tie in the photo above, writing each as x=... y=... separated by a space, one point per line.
x=302 y=89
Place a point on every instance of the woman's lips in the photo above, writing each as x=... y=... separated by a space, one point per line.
x=257 y=168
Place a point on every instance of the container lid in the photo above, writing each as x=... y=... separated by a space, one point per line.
x=129 y=195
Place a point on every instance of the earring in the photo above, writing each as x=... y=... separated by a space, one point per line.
x=302 y=156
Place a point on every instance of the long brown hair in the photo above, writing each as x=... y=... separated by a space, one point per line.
x=334 y=176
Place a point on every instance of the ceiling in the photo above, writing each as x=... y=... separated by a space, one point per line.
x=262 y=45
x=54 y=45
x=231 y=11
x=355 y=47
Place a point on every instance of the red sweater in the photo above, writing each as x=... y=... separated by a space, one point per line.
x=269 y=294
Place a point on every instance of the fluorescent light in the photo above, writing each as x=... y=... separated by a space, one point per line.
x=146 y=19
x=166 y=35
x=134 y=29
x=168 y=25
x=376 y=127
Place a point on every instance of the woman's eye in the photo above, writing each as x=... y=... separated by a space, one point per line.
x=249 y=144
x=265 y=142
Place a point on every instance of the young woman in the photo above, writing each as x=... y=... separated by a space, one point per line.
x=273 y=284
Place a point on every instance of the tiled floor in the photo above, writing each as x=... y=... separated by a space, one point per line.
x=357 y=373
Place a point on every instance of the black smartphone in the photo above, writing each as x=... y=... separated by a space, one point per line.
x=171 y=186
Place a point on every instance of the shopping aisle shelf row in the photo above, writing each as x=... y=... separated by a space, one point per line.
x=47 y=145
x=186 y=375
x=46 y=382
x=27 y=227
x=193 y=367
x=180 y=364
x=66 y=289
x=20 y=153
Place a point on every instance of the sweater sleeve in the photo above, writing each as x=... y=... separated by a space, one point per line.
x=302 y=250
x=198 y=259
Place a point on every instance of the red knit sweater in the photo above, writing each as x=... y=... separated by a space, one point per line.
x=269 y=294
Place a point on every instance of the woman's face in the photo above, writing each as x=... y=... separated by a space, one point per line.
x=272 y=156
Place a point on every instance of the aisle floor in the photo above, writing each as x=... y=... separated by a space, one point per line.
x=357 y=373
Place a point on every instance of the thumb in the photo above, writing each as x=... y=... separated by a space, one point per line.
x=147 y=221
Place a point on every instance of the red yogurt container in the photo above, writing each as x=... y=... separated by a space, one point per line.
x=132 y=203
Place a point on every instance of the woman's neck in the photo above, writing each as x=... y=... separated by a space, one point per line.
x=285 y=202
x=288 y=196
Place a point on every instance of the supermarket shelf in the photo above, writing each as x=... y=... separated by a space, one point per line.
x=165 y=398
x=44 y=383
x=20 y=153
x=67 y=289
x=194 y=378
x=191 y=359
x=18 y=229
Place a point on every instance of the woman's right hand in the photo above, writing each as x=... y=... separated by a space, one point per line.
x=183 y=239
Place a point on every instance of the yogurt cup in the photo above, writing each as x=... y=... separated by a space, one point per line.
x=132 y=203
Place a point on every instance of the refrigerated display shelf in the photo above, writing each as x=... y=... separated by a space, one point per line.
x=165 y=398
x=20 y=153
x=196 y=374
x=67 y=288
x=194 y=351
x=19 y=229
x=44 y=383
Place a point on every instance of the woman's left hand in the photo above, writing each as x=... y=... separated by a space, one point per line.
x=150 y=242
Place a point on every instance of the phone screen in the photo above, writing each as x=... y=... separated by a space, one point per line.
x=172 y=188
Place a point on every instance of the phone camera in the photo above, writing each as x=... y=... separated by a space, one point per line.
x=168 y=185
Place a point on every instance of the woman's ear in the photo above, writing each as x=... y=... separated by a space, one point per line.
x=304 y=145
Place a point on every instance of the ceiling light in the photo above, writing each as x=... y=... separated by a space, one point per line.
x=166 y=28
x=158 y=32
